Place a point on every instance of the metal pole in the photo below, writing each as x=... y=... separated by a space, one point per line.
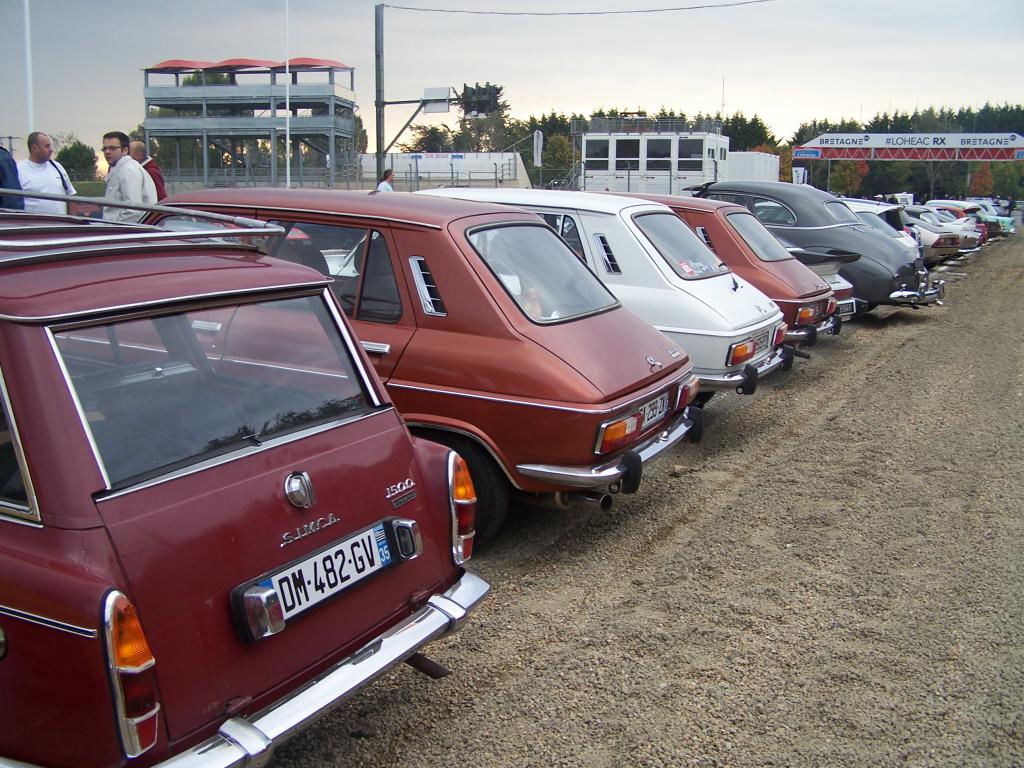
x=29 y=109
x=287 y=104
x=378 y=15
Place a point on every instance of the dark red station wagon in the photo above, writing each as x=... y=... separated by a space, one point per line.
x=490 y=336
x=212 y=531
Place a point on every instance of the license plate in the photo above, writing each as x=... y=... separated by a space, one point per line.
x=760 y=342
x=303 y=585
x=654 y=410
x=846 y=306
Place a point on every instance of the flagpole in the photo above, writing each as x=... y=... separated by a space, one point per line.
x=29 y=109
x=287 y=101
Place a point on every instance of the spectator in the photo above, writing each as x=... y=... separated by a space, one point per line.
x=41 y=173
x=9 y=180
x=385 y=181
x=126 y=181
x=138 y=151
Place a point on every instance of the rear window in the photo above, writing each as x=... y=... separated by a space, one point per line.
x=761 y=241
x=540 y=273
x=679 y=246
x=840 y=212
x=873 y=220
x=167 y=392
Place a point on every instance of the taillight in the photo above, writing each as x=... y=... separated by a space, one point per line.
x=132 y=675
x=832 y=305
x=805 y=315
x=462 y=497
x=740 y=352
x=780 y=334
x=687 y=392
x=620 y=432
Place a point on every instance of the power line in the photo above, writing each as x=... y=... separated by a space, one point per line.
x=580 y=13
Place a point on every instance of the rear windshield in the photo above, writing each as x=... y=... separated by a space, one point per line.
x=840 y=212
x=165 y=392
x=679 y=246
x=761 y=241
x=875 y=221
x=540 y=272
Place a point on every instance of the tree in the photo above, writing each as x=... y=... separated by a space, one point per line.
x=429 y=138
x=1008 y=180
x=362 y=141
x=78 y=159
x=846 y=176
x=981 y=180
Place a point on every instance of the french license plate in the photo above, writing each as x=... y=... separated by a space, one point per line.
x=654 y=409
x=302 y=585
x=846 y=306
x=760 y=342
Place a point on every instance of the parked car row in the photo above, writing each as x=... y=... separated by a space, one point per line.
x=285 y=418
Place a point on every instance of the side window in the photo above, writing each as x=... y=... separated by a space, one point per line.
x=570 y=232
x=727 y=198
x=596 y=158
x=12 y=485
x=690 y=157
x=772 y=212
x=627 y=154
x=379 y=300
x=659 y=154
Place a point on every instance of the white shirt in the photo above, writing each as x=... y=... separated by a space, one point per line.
x=385 y=186
x=126 y=183
x=43 y=177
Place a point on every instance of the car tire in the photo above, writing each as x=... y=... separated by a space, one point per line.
x=702 y=399
x=492 y=487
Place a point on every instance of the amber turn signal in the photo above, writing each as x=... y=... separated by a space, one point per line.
x=131 y=650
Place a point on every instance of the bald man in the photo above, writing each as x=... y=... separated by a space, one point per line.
x=138 y=151
x=41 y=173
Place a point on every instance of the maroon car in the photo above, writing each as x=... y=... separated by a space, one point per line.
x=213 y=530
x=491 y=337
x=741 y=241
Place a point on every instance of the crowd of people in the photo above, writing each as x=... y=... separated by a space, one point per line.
x=133 y=177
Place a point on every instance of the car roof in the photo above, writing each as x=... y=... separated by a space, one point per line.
x=404 y=207
x=695 y=203
x=50 y=275
x=873 y=206
x=772 y=188
x=546 y=198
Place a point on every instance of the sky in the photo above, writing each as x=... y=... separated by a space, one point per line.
x=787 y=61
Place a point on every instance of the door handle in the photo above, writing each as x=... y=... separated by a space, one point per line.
x=376 y=347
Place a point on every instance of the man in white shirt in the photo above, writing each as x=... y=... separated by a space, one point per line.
x=126 y=179
x=41 y=173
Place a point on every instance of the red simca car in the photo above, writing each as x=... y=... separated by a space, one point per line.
x=214 y=530
x=490 y=336
x=741 y=241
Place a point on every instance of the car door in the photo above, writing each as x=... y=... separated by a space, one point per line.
x=367 y=281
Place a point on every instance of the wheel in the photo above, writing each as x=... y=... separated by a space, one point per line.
x=492 y=487
x=702 y=399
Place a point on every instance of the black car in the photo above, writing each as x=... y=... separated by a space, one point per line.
x=818 y=221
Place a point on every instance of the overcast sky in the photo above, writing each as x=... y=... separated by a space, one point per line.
x=785 y=60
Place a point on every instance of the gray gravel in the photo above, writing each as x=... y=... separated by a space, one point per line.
x=832 y=578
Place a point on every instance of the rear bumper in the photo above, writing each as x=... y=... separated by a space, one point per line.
x=808 y=334
x=745 y=381
x=936 y=293
x=251 y=741
x=602 y=475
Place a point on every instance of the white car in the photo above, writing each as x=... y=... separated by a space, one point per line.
x=660 y=269
x=886 y=218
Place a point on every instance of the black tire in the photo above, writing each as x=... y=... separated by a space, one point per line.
x=492 y=487
x=702 y=399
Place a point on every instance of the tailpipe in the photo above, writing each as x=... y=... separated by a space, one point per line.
x=602 y=500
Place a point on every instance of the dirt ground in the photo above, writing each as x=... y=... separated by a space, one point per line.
x=832 y=578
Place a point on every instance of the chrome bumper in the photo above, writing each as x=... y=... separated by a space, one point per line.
x=251 y=741
x=936 y=293
x=808 y=334
x=741 y=380
x=605 y=474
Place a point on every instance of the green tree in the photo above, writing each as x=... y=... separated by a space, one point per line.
x=78 y=159
x=362 y=140
x=429 y=138
x=1008 y=179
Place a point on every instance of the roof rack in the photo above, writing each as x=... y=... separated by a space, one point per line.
x=117 y=234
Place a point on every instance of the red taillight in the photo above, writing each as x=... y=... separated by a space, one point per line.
x=740 y=352
x=462 y=498
x=687 y=392
x=805 y=315
x=133 y=675
x=621 y=432
x=832 y=305
x=780 y=334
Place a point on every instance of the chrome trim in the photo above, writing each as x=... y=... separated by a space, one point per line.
x=350 y=344
x=276 y=367
x=736 y=378
x=349 y=214
x=823 y=226
x=241 y=453
x=568 y=409
x=43 y=621
x=376 y=347
x=30 y=512
x=458 y=540
x=417 y=263
x=826 y=326
x=605 y=474
x=141 y=236
x=251 y=741
x=413 y=527
x=126 y=725
x=936 y=293
x=156 y=302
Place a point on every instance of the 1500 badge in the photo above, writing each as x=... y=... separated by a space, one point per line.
x=399 y=493
x=302 y=531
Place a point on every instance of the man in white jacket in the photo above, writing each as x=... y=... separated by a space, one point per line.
x=126 y=179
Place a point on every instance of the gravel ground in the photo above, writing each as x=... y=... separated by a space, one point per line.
x=832 y=578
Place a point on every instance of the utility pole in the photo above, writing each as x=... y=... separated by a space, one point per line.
x=378 y=17
x=29 y=108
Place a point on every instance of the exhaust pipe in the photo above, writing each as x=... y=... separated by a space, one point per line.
x=602 y=500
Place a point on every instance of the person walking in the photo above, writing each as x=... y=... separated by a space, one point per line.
x=9 y=180
x=126 y=181
x=41 y=173
x=138 y=152
x=385 y=181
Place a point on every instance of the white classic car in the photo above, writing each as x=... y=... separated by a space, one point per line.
x=657 y=267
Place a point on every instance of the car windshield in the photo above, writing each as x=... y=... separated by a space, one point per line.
x=762 y=242
x=166 y=392
x=840 y=212
x=679 y=246
x=874 y=220
x=540 y=273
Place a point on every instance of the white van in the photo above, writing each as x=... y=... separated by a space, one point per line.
x=659 y=268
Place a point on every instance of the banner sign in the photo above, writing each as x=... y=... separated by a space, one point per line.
x=912 y=146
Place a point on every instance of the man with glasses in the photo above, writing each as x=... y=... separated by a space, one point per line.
x=126 y=179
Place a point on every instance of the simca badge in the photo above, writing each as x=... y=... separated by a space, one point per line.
x=298 y=489
x=655 y=365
